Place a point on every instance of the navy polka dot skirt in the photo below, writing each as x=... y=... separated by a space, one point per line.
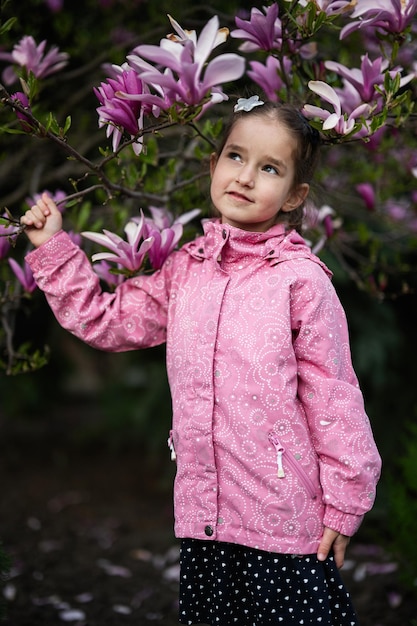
x=225 y=584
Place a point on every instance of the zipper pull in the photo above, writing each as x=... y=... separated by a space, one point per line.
x=280 y=451
x=171 y=446
x=280 y=473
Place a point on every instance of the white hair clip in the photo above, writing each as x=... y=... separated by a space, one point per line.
x=247 y=104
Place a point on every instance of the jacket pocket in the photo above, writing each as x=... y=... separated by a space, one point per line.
x=286 y=459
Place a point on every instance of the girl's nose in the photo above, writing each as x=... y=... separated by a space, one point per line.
x=245 y=177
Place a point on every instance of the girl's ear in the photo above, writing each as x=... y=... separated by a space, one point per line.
x=213 y=162
x=296 y=198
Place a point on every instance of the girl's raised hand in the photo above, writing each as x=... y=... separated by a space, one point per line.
x=42 y=221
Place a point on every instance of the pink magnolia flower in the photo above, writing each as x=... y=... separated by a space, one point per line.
x=31 y=56
x=268 y=76
x=24 y=275
x=55 y=5
x=129 y=254
x=401 y=211
x=25 y=121
x=4 y=243
x=323 y=220
x=118 y=113
x=6 y=233
x=391 y=16
x=57 y=196
x=367 y=193
x=183 y=74
x=338 y=121
x=162 y=218
x=369 y=77
x=164 y=242
x=262 y=32
x=166 y=232
x=330 y=7
x=333 y=7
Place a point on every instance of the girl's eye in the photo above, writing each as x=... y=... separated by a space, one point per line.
x=270 y=169
x=234 y=156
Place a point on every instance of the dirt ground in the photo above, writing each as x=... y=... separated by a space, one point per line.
x=90 y=536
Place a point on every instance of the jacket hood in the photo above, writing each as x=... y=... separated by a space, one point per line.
x=275 y=245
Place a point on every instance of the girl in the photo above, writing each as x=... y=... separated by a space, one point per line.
x=276 y=462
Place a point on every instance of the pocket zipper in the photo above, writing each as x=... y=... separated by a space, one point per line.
x=293 y=463
x=171 y=446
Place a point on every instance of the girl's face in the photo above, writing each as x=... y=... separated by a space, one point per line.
x=252 y=179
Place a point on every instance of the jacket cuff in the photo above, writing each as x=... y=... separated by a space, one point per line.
x=56 y=248
x=341 y=522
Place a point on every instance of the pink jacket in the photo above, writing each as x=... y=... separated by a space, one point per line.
x=269 y=429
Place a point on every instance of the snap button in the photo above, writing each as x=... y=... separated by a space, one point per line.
x=224 y=234
x=208 y=531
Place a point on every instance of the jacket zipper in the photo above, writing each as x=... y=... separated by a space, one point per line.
x=171 y=446
x=293 y=463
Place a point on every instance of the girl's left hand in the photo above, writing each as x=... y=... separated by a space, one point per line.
x=333 y=540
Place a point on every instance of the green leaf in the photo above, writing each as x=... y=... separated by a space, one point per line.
x=52 y=124
x=4 y=28
x=12 y=131
x=67 y=124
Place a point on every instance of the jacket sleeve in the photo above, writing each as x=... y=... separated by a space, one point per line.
x=134 y=316
x=329 y=392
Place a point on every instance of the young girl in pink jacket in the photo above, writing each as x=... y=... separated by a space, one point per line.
x=276 y=462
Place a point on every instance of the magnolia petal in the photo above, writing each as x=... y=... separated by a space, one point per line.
x=117 y=137
x=187 y=217
x=17 y=270
x=223 y=69
x=362 y=109
x=108 y=240
x=107 y=256
x=349 y=29
x=172 y=235
x=146 y=245
x=146 y=98
x=134 y=230
x=167 y=236
x=161 y=217
x=137 y=146
x=215 y=98
x=326 y=92
x=206 y=41
x=156 y=78
x=169 y=56
x=313 y=111
x=184 y=34
x=331 y=122
x=138 y=64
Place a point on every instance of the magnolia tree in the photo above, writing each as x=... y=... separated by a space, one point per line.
x=139 y=186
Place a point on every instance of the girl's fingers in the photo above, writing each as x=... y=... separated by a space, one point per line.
x=36 y=216
x=47 y=202
x=42 y=206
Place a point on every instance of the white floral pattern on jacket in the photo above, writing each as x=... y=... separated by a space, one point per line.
x=270 y=433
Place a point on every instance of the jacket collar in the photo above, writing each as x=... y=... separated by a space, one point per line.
x=233 y=244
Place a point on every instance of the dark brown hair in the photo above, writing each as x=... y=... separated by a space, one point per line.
x=307 y=150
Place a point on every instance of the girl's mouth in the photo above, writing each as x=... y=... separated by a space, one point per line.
x=239 y=196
